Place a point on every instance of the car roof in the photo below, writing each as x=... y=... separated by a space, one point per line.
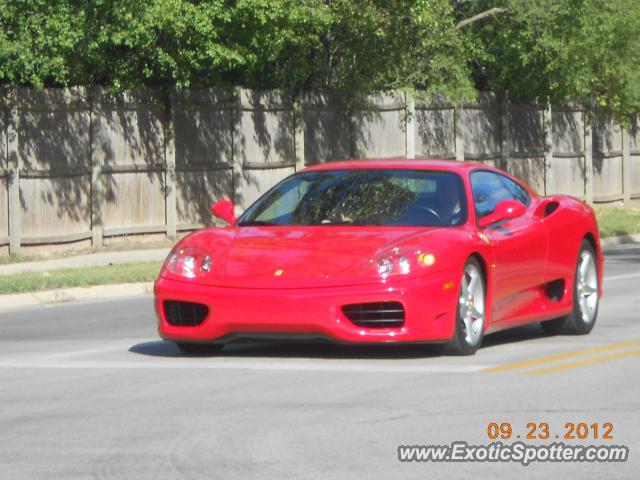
x=400 y=163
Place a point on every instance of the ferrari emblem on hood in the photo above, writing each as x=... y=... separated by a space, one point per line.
x=278 y=273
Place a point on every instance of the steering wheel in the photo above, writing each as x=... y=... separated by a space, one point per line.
x=428 y=210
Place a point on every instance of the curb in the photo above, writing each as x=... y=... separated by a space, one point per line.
x=65 y=295
x=609 y=242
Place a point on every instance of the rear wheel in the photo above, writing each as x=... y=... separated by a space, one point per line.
x=200 y=348
x=585 y=297
x=470 y=316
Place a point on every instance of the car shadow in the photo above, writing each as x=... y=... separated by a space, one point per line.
x=293 y=349
x=524 y=333
x=327 y=350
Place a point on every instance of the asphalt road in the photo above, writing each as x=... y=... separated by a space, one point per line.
x=87 y=390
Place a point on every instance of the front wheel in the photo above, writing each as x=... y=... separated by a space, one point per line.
x=585 y=297
x=200 y=349
x=471 y=312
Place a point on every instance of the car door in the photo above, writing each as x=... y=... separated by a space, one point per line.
x=519 y=246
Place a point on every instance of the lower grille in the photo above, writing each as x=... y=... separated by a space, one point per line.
x=184 y=314
x=376 y=315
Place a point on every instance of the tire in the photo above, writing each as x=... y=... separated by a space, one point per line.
x=200 y=349
x=470 y=312
x=586 y=300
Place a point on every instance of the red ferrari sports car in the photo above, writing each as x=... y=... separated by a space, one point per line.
x=385 y=251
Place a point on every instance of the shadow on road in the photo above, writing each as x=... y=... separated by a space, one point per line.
x=297 y=349
x=626 y=254
x=279 y=349
x=531 y=331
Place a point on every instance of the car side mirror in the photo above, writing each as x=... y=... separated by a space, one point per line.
x=224 y=209
x=505 y=210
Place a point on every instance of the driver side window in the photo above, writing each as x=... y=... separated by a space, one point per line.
x=490 y=188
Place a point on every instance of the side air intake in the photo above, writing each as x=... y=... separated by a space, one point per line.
x=376 y=314
x=184 y=314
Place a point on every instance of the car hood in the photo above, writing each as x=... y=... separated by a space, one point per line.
x=297 y=257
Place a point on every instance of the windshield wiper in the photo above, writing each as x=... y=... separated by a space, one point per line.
x=256 y=223
x=337 y=222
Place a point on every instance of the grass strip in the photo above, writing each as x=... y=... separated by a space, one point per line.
x=80 y=277
x=7 y=259
x=618 y=221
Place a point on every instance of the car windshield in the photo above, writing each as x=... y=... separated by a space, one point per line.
x=362 y=197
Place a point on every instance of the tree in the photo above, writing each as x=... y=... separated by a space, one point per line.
x=552 y=51
x=39 y=41
x=560 y=51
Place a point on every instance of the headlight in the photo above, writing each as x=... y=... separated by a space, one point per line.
x=189 y=262
x=385 y=266
x=399 y=262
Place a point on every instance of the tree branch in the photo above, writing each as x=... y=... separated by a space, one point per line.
x=487 y=13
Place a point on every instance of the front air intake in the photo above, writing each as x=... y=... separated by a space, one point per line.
x=375 y=315
x=184 y=314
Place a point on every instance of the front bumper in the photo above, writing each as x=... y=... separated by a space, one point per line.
x=430 y=304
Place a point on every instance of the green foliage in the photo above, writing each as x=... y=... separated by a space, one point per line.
x=554 y=51
x=396 y=44
x=160 y=43
x=39 y=41
x=346 y=45
x=559 y=51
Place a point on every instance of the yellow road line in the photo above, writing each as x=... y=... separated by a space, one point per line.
x=582 y=363
x=562 y=356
